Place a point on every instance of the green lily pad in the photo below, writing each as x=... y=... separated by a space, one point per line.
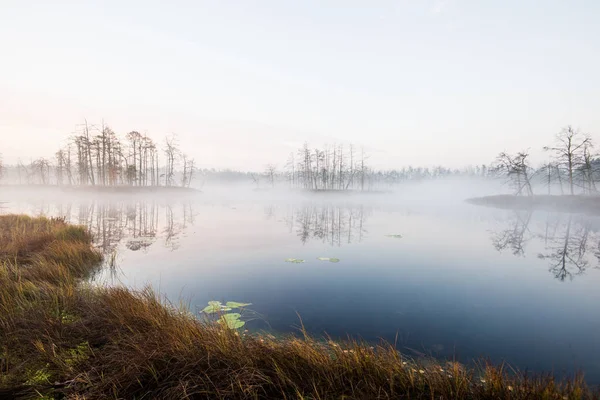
x=330 y=259
x=232 y=320
x=215 y=307
x=235 y=304
x=394 y=236
x=294 y=260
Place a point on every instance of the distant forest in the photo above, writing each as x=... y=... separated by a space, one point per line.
x=96 y=156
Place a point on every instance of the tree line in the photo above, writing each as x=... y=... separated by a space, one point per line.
x=97 y=156
x=340 y=167
x=572 y=167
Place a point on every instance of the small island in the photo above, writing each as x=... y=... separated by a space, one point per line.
x=569 y=178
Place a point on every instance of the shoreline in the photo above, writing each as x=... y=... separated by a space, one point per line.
x=61 y=337
x=98 y=189
x=580 y=204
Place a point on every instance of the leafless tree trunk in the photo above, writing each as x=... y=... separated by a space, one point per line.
x=516 y=169
x=60 y=166
x=270 y=171
x=185 y=172
x=588 y=171
x=171 y=152
x=191 y=168
x=88 y=148
x=568 y=151
x=362 y=170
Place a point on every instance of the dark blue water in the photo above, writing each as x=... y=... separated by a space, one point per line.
x=463 y=282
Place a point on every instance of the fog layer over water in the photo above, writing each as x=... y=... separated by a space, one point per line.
x=461 y=282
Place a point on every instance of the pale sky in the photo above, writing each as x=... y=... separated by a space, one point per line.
x=243 y=83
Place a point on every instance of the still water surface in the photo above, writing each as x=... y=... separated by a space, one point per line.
x=462 y=282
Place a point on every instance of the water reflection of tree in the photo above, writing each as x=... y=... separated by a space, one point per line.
x=566 y=252
x=328 y=223
x=515 y=237
x=567 y=242
x=172 y=229
x=136 y=224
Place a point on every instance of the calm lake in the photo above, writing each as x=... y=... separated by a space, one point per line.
x=461 y=282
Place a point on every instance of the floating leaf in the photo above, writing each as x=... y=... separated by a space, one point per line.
x=232 y=320
x=394 y=236
x=330 y=259
x=238 y=324
x=294 y=260
x=235 y=304
x=215 y=307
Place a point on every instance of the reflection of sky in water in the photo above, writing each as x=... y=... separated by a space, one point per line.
x=444 y=288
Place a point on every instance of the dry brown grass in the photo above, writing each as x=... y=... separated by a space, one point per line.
x=61 y=338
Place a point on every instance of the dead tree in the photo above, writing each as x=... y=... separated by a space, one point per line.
x=191 y=168
x=21 y=169
x=256 y=180
x=517 y=170
x=362 y=169
x=40 y=168
x=291 y=170
x=88 y=149
x=188 y=171
x=587 y=170
x=171 y=152
x=568 y=151
x=270 y=172
x=60 y=167
x=133 y=171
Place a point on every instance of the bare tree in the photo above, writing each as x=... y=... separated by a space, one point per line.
x=363 y=169
x=40 y=168
x=60 y=166
x=134 y=172
x=256 y=180
x=188 y=171
x=191 y=169
x=149 y=153
x=88 y=148
x=517 y=169
x=21 y=169
x=270 y=172
x=171 y=151
x=291 y=170
x=568 y=151
x=587 y=170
